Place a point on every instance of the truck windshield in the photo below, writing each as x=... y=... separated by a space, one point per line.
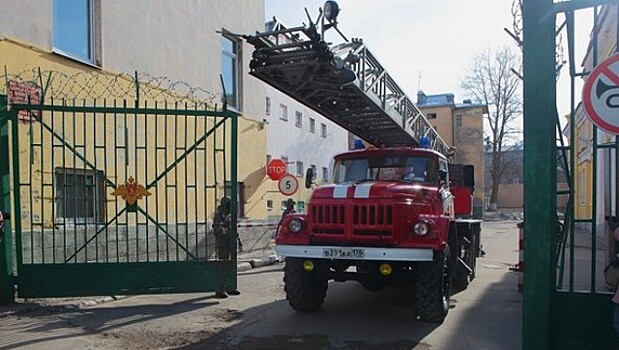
x=390 y=168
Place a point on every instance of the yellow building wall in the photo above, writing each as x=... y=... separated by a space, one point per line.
x=467 y=138
x=442 y=123
x=156 y=139
x=583 y=180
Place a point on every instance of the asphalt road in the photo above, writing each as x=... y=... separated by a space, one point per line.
x=487 y=315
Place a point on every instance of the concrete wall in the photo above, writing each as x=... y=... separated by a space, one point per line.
x=147 y=243
x=511 y=196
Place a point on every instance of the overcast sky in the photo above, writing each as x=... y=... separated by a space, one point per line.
x=434 y=39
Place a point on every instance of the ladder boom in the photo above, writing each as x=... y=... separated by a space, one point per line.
x=343 y=82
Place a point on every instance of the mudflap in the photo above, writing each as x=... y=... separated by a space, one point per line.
x=465 y=237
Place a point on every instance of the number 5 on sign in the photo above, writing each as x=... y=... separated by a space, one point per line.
x=288 y=185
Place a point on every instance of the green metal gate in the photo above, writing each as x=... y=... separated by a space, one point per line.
x=114 y=197
x=566 y=304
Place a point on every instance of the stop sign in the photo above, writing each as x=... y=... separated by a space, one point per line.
x=276 y=169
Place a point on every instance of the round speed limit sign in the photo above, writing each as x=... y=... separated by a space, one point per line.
x=288 y=185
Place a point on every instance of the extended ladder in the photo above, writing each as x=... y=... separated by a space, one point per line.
x=345 y=83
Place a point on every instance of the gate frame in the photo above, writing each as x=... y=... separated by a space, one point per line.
x=7 y=294
x=552 y=319
x=50 y=280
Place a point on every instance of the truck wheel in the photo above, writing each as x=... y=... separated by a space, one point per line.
x=305 y=291
x=433 y=286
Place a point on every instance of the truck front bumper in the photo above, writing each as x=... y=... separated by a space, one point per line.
x=355 y=253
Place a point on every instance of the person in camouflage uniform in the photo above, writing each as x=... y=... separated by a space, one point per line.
x=221 y=226
x=289 y=207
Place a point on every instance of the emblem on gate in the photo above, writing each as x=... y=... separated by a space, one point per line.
x=131 y=191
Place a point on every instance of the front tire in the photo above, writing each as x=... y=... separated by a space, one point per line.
x=433 y=286
x=305 y=291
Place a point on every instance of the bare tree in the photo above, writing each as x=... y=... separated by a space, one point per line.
x=491 y=80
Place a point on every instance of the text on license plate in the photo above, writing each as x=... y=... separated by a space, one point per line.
x=343 y=253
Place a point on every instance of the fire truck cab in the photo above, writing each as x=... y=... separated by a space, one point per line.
x=389 y=218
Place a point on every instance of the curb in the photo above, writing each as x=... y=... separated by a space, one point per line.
x=268 y=260
x=243 y=266
x=258 y=262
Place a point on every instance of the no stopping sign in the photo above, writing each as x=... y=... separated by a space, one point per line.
x=600 y=97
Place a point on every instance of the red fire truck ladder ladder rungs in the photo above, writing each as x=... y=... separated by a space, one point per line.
x=368 y=103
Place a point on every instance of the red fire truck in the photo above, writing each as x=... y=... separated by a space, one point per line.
x=390 y=218
x=394 y=215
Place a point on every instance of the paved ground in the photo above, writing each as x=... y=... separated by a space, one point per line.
x=485 y=316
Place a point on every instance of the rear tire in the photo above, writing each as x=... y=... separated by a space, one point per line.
x=433 y=286
x=305 y=291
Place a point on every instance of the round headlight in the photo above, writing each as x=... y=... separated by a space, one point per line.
x=421 y=228
x=295 y=225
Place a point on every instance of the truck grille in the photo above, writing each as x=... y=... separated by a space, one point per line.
x=366 y=220
x=329 y=214
x=372 y=215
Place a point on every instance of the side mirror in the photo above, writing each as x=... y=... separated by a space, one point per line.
x=442 y=174
x=309 y=177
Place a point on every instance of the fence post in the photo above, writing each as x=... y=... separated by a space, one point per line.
x=7 y=294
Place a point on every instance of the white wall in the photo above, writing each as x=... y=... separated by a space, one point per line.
x=27 y=20
x=174 y=39
x=299 y=144
x=179 y=39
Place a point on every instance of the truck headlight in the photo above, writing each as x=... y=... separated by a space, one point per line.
x=421 y=228
x=295 y=225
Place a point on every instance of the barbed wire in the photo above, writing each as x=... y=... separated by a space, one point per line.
x=58 y=85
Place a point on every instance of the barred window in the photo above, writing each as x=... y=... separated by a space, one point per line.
x=80 y=195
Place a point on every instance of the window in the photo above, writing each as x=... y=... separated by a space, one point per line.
x=74 y=31
x=269 y=204
x=299 y=169
x=458 y=121
x=80 y=195
x=298 y=119
x=312 y=126
x=410 y=168
x=230 y=70
x=285 y=159
x=442 y=165
x=267 y=107
x=283 y=112
x=325 y=174
x=323 y=130
x=315 y=172
x=431 y=116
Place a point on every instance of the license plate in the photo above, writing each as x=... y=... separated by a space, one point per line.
x=343 y=253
